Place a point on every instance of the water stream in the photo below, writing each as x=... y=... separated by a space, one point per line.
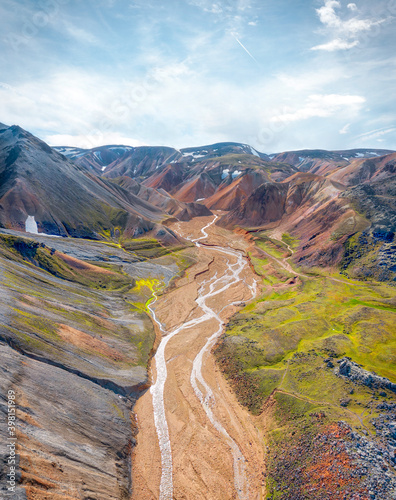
x=202 y=390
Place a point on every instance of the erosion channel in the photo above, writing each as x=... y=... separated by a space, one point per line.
x=195 y=441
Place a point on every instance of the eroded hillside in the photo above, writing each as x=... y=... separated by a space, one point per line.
x=308 y=351
x=76 y=342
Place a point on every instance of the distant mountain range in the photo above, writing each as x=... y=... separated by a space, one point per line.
x=320 y=197
x=312 y=355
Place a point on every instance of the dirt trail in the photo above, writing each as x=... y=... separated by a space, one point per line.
x=210 y=447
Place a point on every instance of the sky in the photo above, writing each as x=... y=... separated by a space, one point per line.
x=278 y=75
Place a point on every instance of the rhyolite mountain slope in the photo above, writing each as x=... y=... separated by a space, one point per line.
x=145 y=160
x=313 y=356
x=37 y=181
x=96 y=159
x=161 y=199
x=324 y=212
x=320 y=161
x=201 y=179
x=304 y=193
x=67 y=200
x=75 y=343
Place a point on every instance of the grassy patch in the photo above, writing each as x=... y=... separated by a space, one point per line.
x=270 y=271
x=290 y=240
x=272 y=247
x=292 y=330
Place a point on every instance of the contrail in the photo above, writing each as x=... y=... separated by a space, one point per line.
x=244 y=48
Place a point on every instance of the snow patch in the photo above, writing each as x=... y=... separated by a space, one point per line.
x=104 y=168
x=254 y=152
x=31 y=225
x=235 y=173
x=225 y=173
x=98 y=156
x=195 y=154
x=69 y=151
x=122 y=148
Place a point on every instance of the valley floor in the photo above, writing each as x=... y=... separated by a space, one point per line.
x=207 y=426
x=303 y=429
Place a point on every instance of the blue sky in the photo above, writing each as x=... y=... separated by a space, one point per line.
x=279 y=74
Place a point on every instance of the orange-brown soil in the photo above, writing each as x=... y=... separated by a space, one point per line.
x=202 y=459
x=84 y=341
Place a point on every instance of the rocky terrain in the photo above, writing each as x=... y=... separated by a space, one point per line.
x=66 y=200
x=75 y=345
x=300 y=386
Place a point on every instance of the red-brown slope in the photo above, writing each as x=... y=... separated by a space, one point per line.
x=232 y=195
x=316 y=161
x=322 y=162
x=142 y=161
x=167 y=178
x=266 y=204
x=309 y=208
x=197 y=188
x=162 y=200
x=364 y=170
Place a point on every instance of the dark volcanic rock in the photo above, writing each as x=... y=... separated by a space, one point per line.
x=73 y=437
x=357 y=374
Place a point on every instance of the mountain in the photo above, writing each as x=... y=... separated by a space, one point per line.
x=307 y=207
x=162 y=200
x=371 y=254
x=97 y=159
x=202 y=179
x=75 y=344
x=220 y=149
x=320 y=161
x=143 y=161
x=324 y=214
x=308 y=346
x=363 y=170
x=65 y=200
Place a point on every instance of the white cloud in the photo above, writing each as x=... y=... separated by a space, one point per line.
x=376 y=134
x=215 y=8
x=176 y=105
x=346 y=32
x=327 y=14
x=91 y=140
x=321 y=106
x=313 y=81
x=336 y=44
x=345 y=129
x=80 y=34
